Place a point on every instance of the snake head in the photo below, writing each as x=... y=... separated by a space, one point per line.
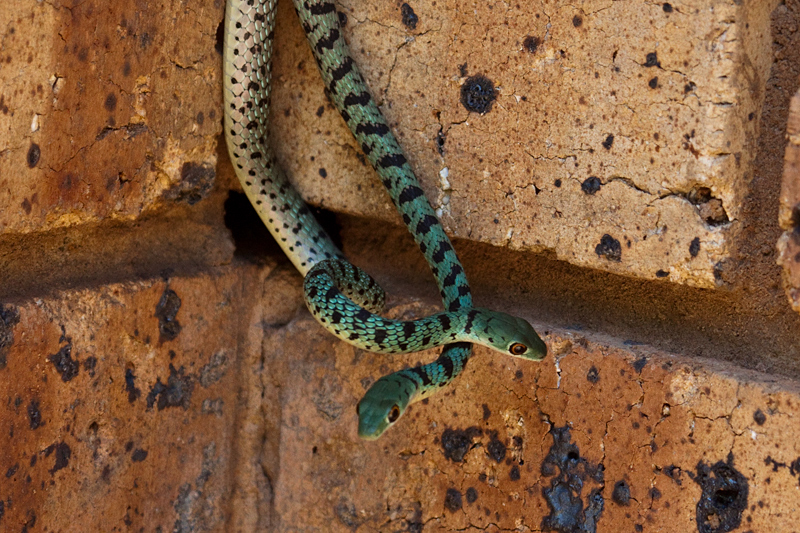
x=510 y=335
x=383 y=405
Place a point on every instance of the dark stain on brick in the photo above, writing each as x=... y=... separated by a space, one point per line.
x=662 y=273
x=197 y=180
x=652 y=60
x=12 y=470
x=667 y=7
x=323 y=173
x=34 y=153
x=724 y=496
x=577 y=21
x=478 y=94
x=176 y=393
x=111 y=102
x=570 y=473
x=496 y=449
x=167 y=312
x=214 y=370
x=694 y=247
x=653 y=83
x=26 y=206
x=621 y=495
x=9 y=317
x=472 y=495
x=64 y=363
x=608 y=142
x=591 y=185
x=513 y=474
x=759 y=417
x=531 y=43
x=63 y=454
x=409 y=18
x=655 y=493
x=639 y=364
x=486 y=412
x=593 y=375
x=347 y=514
x=130 y=386
x=457 y=442
x=610 y=248
x=452 y=500
x=89 y=364
x=138 y=455
x=34 y=414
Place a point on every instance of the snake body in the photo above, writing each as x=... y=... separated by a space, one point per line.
x=339 y=295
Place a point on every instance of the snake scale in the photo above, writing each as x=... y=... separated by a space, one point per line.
x=343 y=298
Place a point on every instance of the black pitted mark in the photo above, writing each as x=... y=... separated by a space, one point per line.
x=9 y=317
x=655 y=494
x=724 y=497
x=34 y=414
x=557 y=183
x=441 y=138
x=759 y=417
x=457 y=442
x=653 y=83
x=410 y=18
x=674 y=473
x=214 y=370
x=486 y=412
x=593 y=375
x=472 y=495
x=64 y=363
x=478 y=94
x=513 y=474
x=138 y=455
x=166 y=312
x=608 y=142
x=610 y=248
x=531 y=43
x=111 y=102
x=176 y=393
x=591 y=185
x=577 y=21
x=652 y=60
x=694 y=247
x=34 y=153
x=621 y=493
x=130 y=386
x=462 y=70
x=639 y=364
x=2 y=509
x=12 y=470
x=452 y=500
x=496 y=449
x=197 y=180
x=63 y=454
x=89 y=364
x=347 y=514
x=563 y=496
x=662 y=273
x=323 y=173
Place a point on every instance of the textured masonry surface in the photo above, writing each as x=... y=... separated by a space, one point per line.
x=150 y=380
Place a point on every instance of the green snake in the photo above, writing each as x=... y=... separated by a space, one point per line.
x=343 y=298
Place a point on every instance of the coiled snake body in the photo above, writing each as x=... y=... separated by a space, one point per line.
x=340 y=296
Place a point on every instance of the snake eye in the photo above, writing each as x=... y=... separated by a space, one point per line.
x=518 y=348
x=394 y=414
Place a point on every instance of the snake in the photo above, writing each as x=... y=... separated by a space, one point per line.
x=342 y=297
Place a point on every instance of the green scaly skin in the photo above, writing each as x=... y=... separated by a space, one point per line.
x=248 y=54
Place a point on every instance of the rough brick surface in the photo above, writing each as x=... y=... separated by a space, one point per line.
x=621 y=136
x=121 y=407
x=789 y=243
x=108 y=109
x=596 y=437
